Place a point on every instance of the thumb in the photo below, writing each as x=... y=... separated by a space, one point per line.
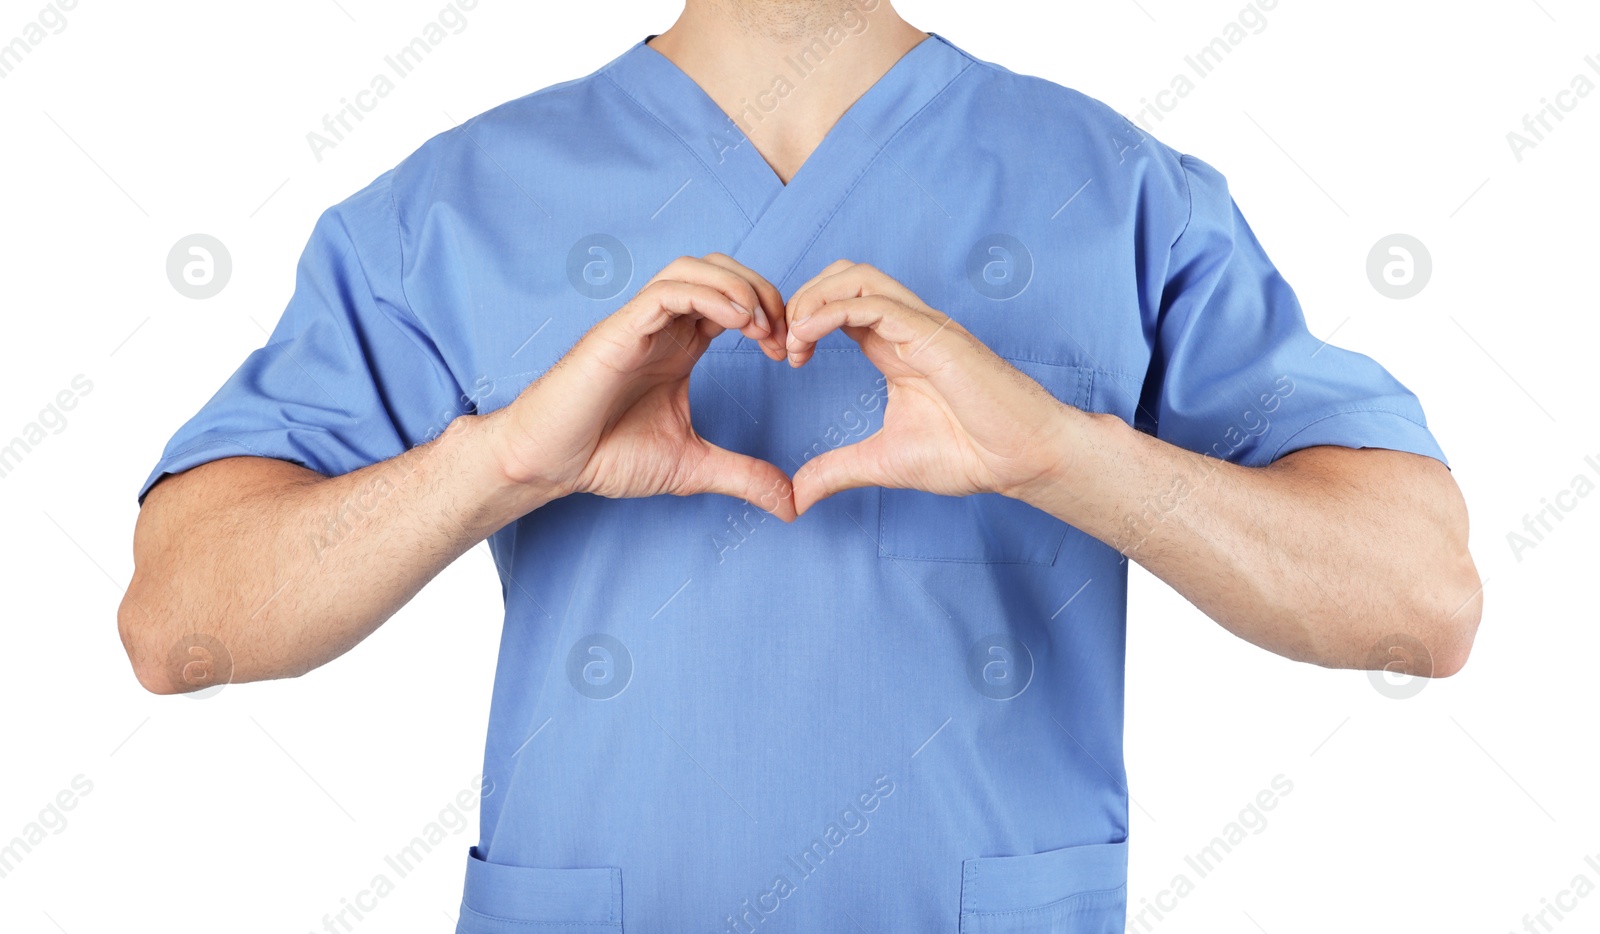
x=854 y=465
x=747 y=478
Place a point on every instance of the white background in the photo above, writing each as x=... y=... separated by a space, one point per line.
x=1460 y=809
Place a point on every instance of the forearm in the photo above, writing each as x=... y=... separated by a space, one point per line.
x=287 y=569
x=1316 y=557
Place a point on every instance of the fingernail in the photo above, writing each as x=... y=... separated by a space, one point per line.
x=799 y=321
x=740 y=308
x=761 y=318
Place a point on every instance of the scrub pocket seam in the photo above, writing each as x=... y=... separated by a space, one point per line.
x=1022 y=911
x=543 y=924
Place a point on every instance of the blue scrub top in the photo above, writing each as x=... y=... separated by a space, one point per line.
x=904 y=711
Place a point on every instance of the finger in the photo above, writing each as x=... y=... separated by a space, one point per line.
x=843 y=280
x=924 y=340
x=840 y=281
x=832 y=269
x=746 y=478
x=731 y=283
x=662 y=301
x=769 y=301
x=846 y=468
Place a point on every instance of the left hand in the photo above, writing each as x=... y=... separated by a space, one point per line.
x=959 y=418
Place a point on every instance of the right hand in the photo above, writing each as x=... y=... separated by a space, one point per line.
x=611 y=417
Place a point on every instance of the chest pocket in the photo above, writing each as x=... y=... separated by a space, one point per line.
x=985 y=528
x=505 y=899
x=1074 y=890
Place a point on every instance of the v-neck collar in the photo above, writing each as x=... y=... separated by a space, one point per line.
x=664 y=90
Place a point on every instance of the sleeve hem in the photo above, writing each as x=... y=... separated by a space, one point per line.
x=205 y=452
x=1365 y=428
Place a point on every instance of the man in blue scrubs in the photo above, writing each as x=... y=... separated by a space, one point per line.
x=812 y=381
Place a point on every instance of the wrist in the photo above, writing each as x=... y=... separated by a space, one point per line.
x=503 y=483
x=1066 y=450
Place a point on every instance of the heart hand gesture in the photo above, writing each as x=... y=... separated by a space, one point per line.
x=959 y=419
x=612 y=416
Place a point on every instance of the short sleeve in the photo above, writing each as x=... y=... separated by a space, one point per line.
x=1235 y=372
x=348 y=377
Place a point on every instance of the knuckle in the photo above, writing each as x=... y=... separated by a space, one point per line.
x=676 y=268
x=667 y=295
x=657 y=290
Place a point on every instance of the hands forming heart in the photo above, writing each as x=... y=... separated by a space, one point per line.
x=612 y=416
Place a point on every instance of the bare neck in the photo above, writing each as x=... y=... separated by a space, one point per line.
x=786 y=70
